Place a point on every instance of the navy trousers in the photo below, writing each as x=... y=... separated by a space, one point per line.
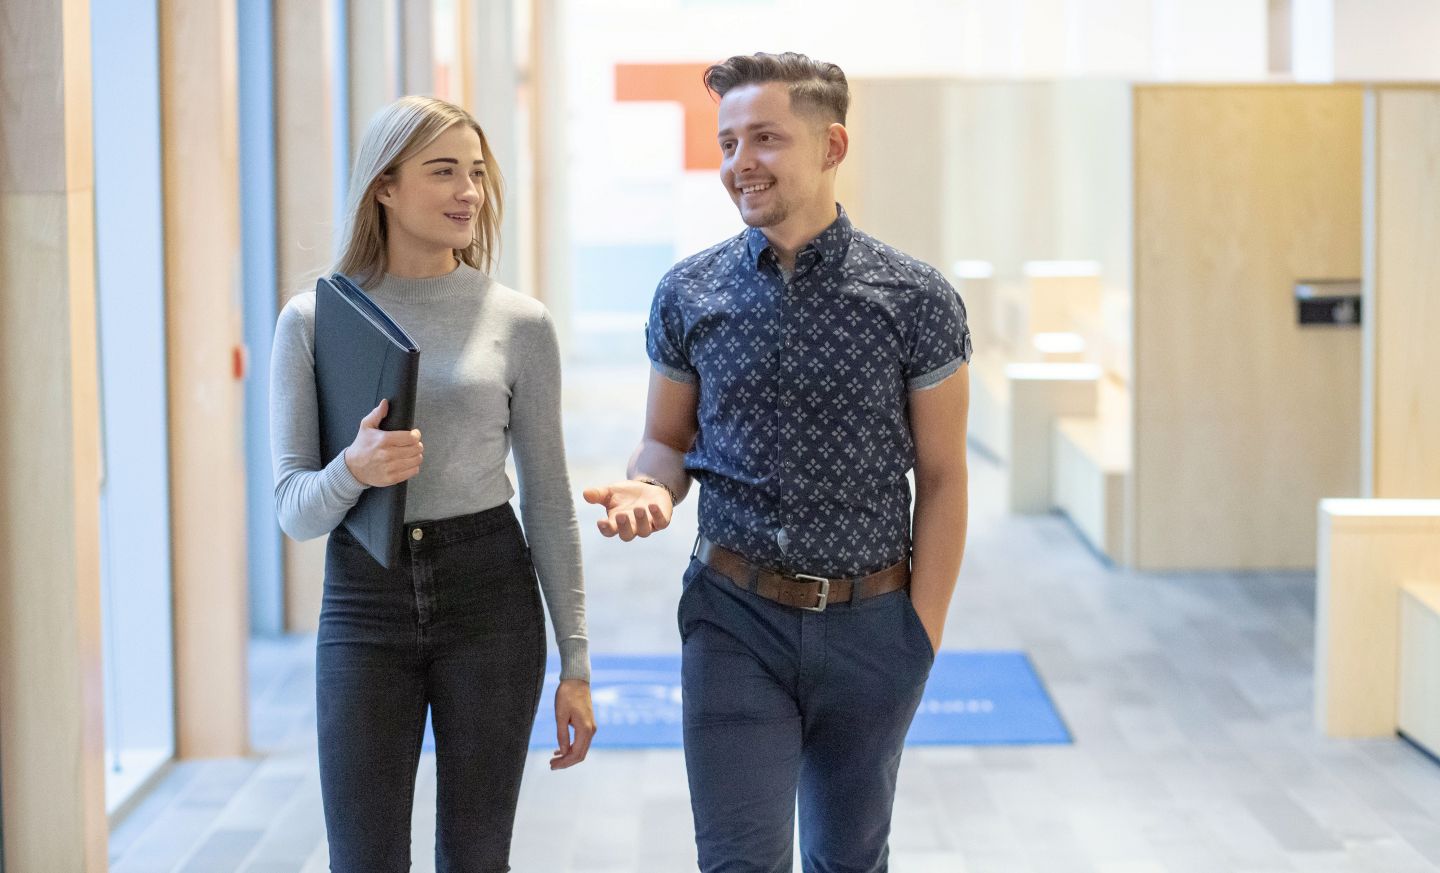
x=455 y=627
x=781 y=703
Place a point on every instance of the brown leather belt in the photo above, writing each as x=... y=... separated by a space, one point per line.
x=812 y=593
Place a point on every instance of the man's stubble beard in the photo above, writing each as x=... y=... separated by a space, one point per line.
x=770 y=217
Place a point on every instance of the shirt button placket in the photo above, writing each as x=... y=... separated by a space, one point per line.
x=792 y=411
x=788 y=412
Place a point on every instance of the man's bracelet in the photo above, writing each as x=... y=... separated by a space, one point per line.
x=651 y=480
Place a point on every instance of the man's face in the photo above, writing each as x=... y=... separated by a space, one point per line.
x=772 y=160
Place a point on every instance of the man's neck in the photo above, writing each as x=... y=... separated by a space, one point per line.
x=789 y=237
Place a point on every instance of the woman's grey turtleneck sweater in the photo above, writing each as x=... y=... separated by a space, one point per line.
x=489 y=383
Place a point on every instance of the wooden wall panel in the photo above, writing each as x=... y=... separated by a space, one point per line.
x=52 y=783
x=204 y=328
x=1406 y=305
x=1243 y=419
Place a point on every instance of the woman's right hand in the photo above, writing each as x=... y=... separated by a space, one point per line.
x=383 y=457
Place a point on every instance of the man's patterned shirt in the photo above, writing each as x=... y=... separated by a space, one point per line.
x=804 y=439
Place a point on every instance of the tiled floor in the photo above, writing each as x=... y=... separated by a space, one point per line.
x=1188 y=695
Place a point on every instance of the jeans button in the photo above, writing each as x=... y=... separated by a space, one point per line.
x=417 y=534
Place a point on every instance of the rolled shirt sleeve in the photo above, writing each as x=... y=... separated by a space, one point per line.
x=665 y=336
x=941 y=334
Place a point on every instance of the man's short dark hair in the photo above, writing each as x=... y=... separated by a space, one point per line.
x=816 y=87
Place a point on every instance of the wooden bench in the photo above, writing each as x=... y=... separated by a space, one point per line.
x=1040 y=394
x=1367 y=549
x=989 y=422
x=1059 y=347
x=1090 y=462
x=1061 y=296
x=975 y=283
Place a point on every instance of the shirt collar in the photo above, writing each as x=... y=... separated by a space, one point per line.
x=831 y=245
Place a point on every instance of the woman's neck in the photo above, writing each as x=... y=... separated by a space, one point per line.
x=411 y=264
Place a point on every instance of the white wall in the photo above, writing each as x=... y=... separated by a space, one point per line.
x=622 y=164
x=1020 y=38
x=1387 y=39
x=1214 y=39
x=1366 y=40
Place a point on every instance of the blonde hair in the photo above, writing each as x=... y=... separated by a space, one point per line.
x=397 y=133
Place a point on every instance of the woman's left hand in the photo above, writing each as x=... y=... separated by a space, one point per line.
x=572 y=712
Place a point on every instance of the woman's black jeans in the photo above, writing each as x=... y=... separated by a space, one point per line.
x=456 y=627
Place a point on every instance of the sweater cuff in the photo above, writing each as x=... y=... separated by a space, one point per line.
x=341 y=482
x=575 y=659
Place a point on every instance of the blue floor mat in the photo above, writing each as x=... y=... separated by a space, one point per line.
x=972 y=698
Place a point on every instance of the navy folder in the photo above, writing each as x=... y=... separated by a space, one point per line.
x=361 y=357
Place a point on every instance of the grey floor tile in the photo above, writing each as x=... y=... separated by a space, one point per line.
x=222 y=852
x=1290 y=825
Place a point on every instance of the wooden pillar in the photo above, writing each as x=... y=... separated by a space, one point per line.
x=304 y=151
x=204 y=333
x=305 y=218
x=549 y=234
x=1279 y=37
x=51 y=700
x=374 y=63
x=491 y=87
x=417 y=46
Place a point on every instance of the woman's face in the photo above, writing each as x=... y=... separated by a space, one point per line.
x=432 y=201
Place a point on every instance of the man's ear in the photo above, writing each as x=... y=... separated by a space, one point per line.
x=837 y=144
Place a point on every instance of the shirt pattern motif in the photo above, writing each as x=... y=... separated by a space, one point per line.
x=804 y=439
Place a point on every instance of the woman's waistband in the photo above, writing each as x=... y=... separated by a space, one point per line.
x=443 y=531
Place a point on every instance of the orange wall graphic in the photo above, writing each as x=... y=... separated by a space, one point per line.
x=683 y=84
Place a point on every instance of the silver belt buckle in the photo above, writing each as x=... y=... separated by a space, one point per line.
x=824 y=591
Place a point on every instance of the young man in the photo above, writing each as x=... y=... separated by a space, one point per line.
x=800 y=370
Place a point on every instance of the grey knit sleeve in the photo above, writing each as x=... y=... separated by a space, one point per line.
x=547 y=508
x=311 y=498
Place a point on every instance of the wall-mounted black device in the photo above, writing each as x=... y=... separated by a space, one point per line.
x=1328 y=301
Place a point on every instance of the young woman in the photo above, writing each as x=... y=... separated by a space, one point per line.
x=456 y=627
